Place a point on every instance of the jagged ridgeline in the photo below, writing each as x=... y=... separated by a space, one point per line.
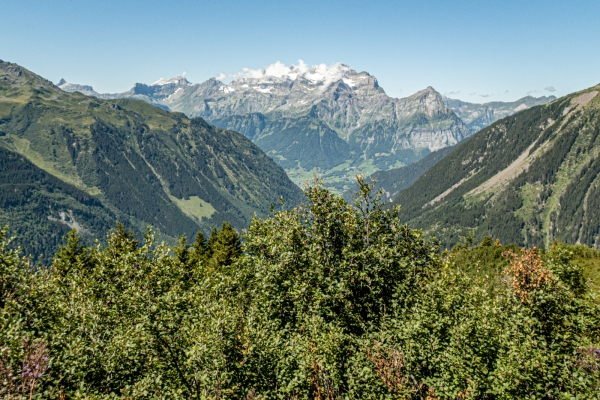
x=69 y=160
x=528 y=179
x=333 y=121
x=478 y=116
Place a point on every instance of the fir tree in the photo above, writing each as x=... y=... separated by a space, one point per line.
x=225 y=246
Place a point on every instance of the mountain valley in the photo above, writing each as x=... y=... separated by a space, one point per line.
x=331 y=121
x=70 y=160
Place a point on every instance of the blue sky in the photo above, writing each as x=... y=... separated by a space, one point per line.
x=472 y=50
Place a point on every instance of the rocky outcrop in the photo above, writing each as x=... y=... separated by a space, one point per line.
x=324 y=118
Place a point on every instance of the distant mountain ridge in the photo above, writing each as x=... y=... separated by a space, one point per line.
x=137 y=163
x=478 y=116
x=333 y=121
x=328 y=120
x=528 y=179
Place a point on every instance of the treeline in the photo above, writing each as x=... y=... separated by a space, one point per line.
x=325 y=301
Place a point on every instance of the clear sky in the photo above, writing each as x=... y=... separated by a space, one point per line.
x=472 y=50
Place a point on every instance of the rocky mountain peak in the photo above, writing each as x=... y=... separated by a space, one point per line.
x=74 y=87
x=179 y=81
x=300 y=77
x=430 y=102
x=162 y=89
x=316 y=116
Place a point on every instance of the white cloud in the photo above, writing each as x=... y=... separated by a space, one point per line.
x=550 y=89
x=249 y=73
x=277 y=70
x=485 y=95
x=317 y=73
x=221 y=76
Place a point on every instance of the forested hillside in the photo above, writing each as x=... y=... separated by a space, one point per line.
x=394 y=180
x=140 y=164
x=529 y=179
x=41 y=209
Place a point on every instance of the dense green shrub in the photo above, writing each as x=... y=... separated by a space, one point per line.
x=325 y=301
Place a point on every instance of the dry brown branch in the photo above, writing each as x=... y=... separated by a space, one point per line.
x=527 y=272
x=390 y=366
x=323 y=386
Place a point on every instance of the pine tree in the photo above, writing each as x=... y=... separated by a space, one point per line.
x=224 y=245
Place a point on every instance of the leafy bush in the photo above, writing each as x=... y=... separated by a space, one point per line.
x=324 y=301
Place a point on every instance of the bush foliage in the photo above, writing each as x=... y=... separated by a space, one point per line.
x=325 y=301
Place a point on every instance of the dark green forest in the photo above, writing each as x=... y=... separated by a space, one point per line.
x=327 y=300
x=40 y=207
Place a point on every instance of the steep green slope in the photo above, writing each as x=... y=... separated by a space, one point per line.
x=528 y=179
x=394 y=180
x=40 y=208
x=146 y=165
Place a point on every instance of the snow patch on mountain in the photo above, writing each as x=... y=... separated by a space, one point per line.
x=178 y=80
x=179 y=90
x=320 y=74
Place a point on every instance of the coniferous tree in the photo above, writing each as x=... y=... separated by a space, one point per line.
x=199 y=250
x=225 y=246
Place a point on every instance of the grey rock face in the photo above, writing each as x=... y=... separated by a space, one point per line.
x=73 y=87
x=333 y=120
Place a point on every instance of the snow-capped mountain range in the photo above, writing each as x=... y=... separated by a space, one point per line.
x=330 y=120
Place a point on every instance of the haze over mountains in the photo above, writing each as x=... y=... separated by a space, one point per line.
x=333 y=121
x=73 y=161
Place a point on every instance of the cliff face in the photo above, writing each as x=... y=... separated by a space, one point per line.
x=332 y=121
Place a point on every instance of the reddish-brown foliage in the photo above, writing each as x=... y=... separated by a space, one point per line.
x=527 y=272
